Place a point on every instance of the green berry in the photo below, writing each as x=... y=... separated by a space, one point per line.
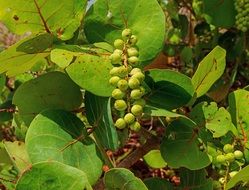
x=114 y=80
x=133 y=40
x=140 y=76
x=221 y=159
x=119 y=44
x=134 y=71
x=137 y=110
x=133 y=83
x=222 y=172
x=135 y=126
x=120 y=105
x=122 y=71
x=230 y=157
x=140 y=102
x=123 y=84
x=133 y=60
x=129 y=118
x=115 y=58
x=132 y=52
x=114 y=71
x=118 y=51
x=136 y=94
x=117 y=94
x=238 y=154
x=120 y=123
x=233 y=173
x=228 y=148
x=126 y=33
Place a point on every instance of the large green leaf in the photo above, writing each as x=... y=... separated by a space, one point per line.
x=106 y=20
x=217 y=120
x=194 y=180
x=59 y=135
x=169 y=89
x=120 y=178
x=60 y=17
x=180 y=147
x=22 y=56
x=53 y=176
x=98 y=112
x=18 y=154
x=51 y=90
x=215 y=14
x=209 y=70
x=239 y=109
x=89 y=68
x=242 y=176
x=158 y=183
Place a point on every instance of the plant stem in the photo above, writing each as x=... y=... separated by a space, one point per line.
x=226 y=176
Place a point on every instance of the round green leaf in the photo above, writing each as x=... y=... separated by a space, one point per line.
x=107 y=19
x=169 y=89
x=59 y=135
x=90 y=70
x=59 y=17
x=154 y=159
x=53 y=176
x=120 y=178
x=180 y=147
x=51 y=90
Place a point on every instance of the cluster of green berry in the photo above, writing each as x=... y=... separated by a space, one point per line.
x=242 y=17
x=127 y=79
x=228 y=162
x=229 y=155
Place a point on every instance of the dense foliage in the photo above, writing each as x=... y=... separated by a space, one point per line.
x=91 y=90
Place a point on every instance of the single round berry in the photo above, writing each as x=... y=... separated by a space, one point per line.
x=117 y=94
x=230 y=157
x=222 y=172
x=120 y=123
x=140 y=76
x=119 y=44
x=133 y=60
x=133 y=83
x=122 y=71
x=135 y=126
x=134 y=71
x=137 y=110
x=221 y=159
x=114 y=71
x=129 y=118
x=140 y=102
x=126 y=33
x=115 y=58
x=120 y=105
x=238 y=154
x=136 y=94
x=114 y=80
x=228 y=148
x=133 y=40
x=132 y=52
x=123 y=84
x=118 y=51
